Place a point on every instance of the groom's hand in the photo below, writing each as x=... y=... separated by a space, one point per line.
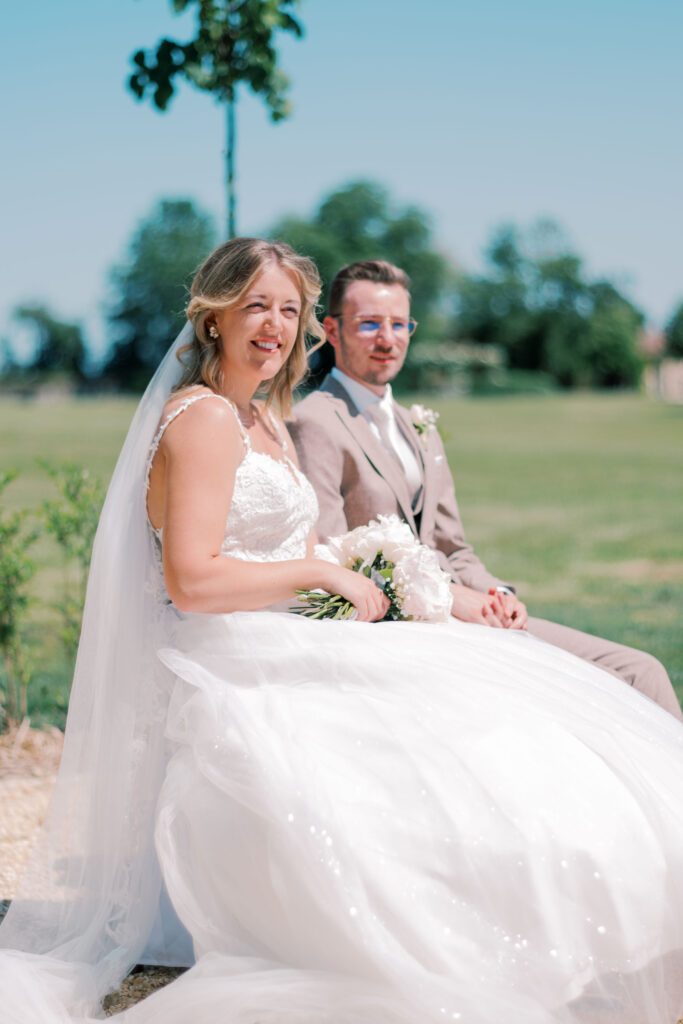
x=511 y=611
x=495 y=609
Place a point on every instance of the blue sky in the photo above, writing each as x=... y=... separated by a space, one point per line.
x=478 y=112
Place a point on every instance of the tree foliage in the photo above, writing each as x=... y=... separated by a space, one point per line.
x=360 y=222
x=150 y=288
x=59 y=346
x=234 y=43
x=16 y=572
x=538 y=306
x=673 y=332
x=71 y=519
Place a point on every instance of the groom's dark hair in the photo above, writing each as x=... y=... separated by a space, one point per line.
x=379 y=271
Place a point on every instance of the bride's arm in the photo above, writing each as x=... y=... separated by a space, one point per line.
x=201 y=451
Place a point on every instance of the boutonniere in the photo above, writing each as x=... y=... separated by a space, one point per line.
x=424 y=421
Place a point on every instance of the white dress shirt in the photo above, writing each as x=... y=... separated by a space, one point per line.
x=378 y=411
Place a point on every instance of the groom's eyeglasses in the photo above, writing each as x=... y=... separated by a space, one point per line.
x=368 y=326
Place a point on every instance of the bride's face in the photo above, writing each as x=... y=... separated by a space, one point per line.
x=258 y=334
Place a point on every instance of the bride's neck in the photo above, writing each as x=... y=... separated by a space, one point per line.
x=242 y=398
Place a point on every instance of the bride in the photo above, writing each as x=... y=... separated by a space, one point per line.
x=358 y=822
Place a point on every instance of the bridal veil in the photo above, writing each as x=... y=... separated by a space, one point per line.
x=92 y=895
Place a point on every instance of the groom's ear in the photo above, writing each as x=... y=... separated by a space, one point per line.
x=331 y=325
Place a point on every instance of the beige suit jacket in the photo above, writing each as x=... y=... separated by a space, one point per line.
x=356 y=479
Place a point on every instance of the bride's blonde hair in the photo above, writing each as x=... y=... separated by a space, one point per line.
x=220 y=282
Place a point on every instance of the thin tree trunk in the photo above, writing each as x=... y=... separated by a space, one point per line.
x=23 y=685
x=11 y=689
x=230 y=167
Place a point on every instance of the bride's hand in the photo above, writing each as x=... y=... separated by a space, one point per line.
x=369 y=601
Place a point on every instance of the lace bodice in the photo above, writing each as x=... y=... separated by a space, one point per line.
x=273 y=508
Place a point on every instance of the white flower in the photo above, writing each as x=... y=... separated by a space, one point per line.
x=398 y=540
x=387 y=534
x=424 y=420
x=364 y=542
x=421 y=588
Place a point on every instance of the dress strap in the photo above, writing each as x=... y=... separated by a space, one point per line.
x=176 y=412
x=278 y=430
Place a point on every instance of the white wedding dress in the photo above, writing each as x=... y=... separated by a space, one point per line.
x=404 y=823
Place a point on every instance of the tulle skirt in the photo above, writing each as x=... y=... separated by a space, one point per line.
x=403 y=823
x=408 y=822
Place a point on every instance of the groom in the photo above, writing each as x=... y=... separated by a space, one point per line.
x=364 y=456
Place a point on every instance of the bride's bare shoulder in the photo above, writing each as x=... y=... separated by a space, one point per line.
x=187 y=397
x=201 y=413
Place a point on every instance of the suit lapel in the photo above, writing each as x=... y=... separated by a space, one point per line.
x=374 y=451
x=428 y=459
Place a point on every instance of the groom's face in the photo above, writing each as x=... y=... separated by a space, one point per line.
x=369 y=341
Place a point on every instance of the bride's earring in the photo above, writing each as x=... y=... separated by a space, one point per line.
x=213 y=332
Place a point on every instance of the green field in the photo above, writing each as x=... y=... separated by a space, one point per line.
x=577 y=499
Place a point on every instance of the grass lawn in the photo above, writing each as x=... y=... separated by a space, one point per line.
x=89 y=433
x=579 y=501
x=576 y=499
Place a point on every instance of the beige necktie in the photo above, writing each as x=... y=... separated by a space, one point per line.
x=382 y=414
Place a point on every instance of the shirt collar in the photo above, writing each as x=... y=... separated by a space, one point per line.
x=362 y=396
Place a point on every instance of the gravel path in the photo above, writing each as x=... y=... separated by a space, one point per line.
x=24 y=802
x=29 y=759
x=28 y=769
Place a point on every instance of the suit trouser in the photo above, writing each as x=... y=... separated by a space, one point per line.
x=634 y=667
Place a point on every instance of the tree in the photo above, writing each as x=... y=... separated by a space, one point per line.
x=150 y=288
x=360 y=222
x=233 y=44
x=59 y=346
x=537 y=305
x=8 y=360
x=673 y=332
x=16 y=572
x=71 y=519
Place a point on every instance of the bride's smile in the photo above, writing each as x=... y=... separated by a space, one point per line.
x=258 y=334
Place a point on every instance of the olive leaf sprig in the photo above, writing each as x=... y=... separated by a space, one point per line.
x=317 y=604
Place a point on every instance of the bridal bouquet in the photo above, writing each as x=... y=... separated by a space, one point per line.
x=387 y=551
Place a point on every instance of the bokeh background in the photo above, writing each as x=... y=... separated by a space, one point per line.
x=478 y=113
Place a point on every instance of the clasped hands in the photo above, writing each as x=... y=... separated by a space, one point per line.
x=496 y=609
